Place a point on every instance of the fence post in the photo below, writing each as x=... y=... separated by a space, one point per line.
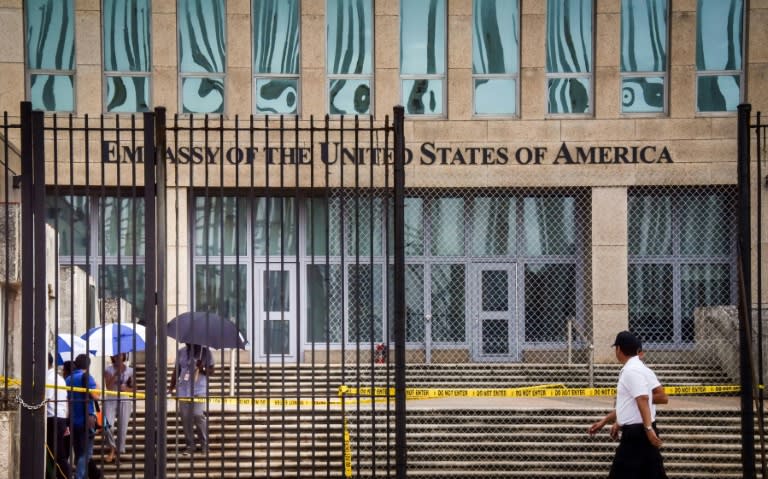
x=399 y=293
x=34 y=294
x=150 y=304
x=161 y=241
x=745 y=292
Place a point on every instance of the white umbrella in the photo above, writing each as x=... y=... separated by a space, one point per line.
x=68 y=347
x=114 y=338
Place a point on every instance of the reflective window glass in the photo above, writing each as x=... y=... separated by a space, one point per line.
x=494 y=226
x=324 y=295
x=651 y=292
x=363 y=225
x=123 y=226
x=127 y=46
x=649 y=224
x=202 y=53
x=350 y=37
x=719 y=50
x=423 y=97
x=422 y=55
x=276 y=96
x=274 y=229
x=127 y=93
x=202 y=95
x=276 y=36
x=569 y=36
x=642 y=94
x=365 y=303
x=126 y=282
x=681 y=252
x=447 y=226
x=221 y=226
x=495 y=55
x=550 y=301
x=349 y=58
x=569 y=52
x=643 y=51
x=70 y=217
x=222 y=289
x=127 y=49
x=643 y=35
x=448 y=299
x=718 y=93
x=550 y=225
x=50 y=34
x=50 y=39
x=350 y=97
x=276 y=47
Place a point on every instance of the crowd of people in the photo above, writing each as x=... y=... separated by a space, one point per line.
x=74 y=409
x=74 y=405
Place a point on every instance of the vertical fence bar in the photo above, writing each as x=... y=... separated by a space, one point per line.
x=399 y=293
x=161 y=299
x=150 y=301
x=745 y=288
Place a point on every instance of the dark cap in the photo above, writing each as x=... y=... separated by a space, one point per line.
x=627 y=341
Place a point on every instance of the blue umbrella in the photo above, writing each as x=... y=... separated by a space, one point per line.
x=68 y=347
x=115 y=338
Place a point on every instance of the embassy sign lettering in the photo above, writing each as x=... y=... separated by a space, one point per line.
x=428 y=154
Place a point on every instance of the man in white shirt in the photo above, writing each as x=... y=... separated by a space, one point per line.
x=57 y=434
x=638 y=453
x=659 y=396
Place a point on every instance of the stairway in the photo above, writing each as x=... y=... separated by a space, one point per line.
x=456 y=440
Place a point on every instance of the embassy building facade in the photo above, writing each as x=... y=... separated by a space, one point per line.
x=570 y=164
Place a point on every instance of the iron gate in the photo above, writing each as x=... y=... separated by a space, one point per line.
x=752 y=182
x=290 y=229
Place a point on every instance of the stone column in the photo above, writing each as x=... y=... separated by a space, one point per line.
x=610 y=310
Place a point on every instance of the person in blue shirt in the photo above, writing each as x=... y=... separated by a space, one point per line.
x=82 y=413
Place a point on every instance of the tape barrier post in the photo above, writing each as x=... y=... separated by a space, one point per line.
x=347 y=443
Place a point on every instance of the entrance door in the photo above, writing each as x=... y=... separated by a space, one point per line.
x=495 y=324
x=276 y=311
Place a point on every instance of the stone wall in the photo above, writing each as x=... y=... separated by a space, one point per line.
x=9 y=435
x=717 y=338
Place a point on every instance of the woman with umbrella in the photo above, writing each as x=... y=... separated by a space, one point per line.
x=194 y=363
x=118 y=378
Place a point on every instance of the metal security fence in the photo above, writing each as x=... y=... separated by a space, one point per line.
x=501 y=326
x=134 y=221
x=752 y=155
x=391 y=330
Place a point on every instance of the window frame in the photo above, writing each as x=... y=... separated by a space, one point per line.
x=106 y=74
x=92 y=261
x=443 y=78
x=664 y=74
x=677 y=260
x=29 y=72
x=715 y=73
x=258 y=76
x=590 y=113
x=499 y=76
x=181 y=76
x=368 y=77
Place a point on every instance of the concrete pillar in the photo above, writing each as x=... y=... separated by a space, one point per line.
x=610 y=310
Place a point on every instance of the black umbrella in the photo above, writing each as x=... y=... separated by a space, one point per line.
x=206 y=329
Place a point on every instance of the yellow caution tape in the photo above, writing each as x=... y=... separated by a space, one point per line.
x=366 y=395
x=540 y=391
